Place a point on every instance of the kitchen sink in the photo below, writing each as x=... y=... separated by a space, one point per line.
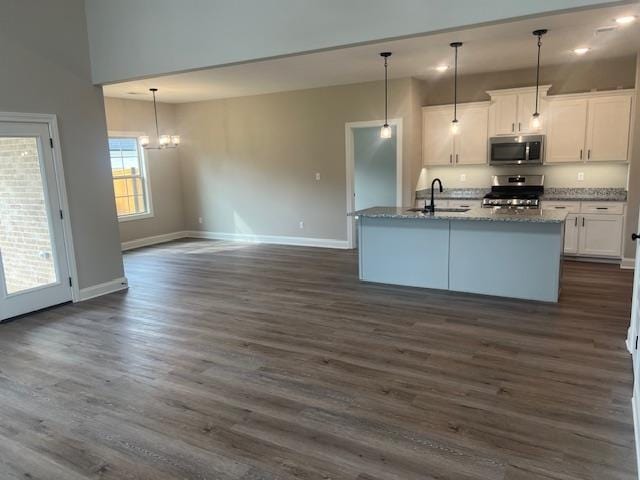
x=444 y=210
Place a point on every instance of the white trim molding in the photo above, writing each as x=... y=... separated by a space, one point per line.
x=270 y=239
x=153 y=240
x=112 y=286
x=628 y=263
x=52 y=121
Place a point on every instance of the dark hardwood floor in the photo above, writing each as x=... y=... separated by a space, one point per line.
x=231 y=361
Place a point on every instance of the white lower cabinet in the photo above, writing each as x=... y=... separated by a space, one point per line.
x=601 y=235
x=592 y=229
x=571 y=234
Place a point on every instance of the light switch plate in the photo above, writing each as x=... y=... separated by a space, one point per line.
x=581 y=176
x=463 y=177
x=318 y=176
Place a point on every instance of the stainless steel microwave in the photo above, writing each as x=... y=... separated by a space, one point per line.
x=516 y=150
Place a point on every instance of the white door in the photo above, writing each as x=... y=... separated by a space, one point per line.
x=566 y=130
x=526 y=109
x=438 y=140
x=601 y=235
x=608 y=128
x=34 y=271
x=471 y=142
x=571 y=230
x=505 y=112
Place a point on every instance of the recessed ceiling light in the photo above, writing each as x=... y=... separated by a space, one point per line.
x=581 y=50
x=442 y=68
x=626 y=20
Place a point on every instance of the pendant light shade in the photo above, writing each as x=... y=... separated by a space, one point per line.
x=536 y=121
x=455 y=125
x=385 y=131
x=164 y=141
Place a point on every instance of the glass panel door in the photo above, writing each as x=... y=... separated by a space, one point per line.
x=33 y=263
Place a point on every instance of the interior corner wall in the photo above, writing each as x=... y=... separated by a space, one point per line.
x=633 y=200
x=136 y=116
x=46 y=69
x=249 y=163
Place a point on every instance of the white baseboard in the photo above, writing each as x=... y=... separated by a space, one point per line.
x=271 y=239
x=628 y=263
x=94 y=291
x=154 y=240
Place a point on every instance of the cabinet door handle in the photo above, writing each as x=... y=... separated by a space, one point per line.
x=580 y=154
x=519 y=126
x=588 y=154
x=456 y=158
x=513 y=127
x=576 y=222
x=451 y=158
x=583 y=221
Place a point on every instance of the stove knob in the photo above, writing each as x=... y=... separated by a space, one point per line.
x=528 y=202
x=509 y=202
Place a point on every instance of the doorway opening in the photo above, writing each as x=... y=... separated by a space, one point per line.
x=374 y=168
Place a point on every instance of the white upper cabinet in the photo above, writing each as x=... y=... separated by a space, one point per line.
x=526 y=109
x=468 y=147
x=512 y=110
x=437 y=147
x=566 y=130
x=608 y=128
x=505 y=113
x=590 y=127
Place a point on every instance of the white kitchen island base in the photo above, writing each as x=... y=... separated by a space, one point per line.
x=518 y=256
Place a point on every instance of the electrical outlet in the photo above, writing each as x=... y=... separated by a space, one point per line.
x=301 y=225
x=200 y=220
x=463 y=177
x=317 y=176
x=581 y=176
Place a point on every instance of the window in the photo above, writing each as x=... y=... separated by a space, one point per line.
x=130 y=181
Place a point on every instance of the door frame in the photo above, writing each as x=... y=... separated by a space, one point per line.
x=51 y=120
x=349 y=127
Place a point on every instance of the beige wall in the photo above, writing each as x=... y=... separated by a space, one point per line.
x=136 y=116
x=45 y=69
x=249 y=164
x=572 y=77
x=634 y=177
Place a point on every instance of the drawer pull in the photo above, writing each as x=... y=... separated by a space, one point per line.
x=559 y=207
x=602 y=208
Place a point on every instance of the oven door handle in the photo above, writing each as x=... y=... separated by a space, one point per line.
x=526 y=151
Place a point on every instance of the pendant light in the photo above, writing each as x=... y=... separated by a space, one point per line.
x=164 y=141
x=535 y=122
x=455 y=126
x=385 y=131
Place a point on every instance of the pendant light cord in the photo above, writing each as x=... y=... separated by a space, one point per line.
x=386 y=94
x=455 y=87
x=155 y=112
x=538 y=71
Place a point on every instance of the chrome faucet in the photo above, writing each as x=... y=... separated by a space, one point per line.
x=432 y=207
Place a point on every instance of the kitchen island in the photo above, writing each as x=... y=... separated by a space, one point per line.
x=507 y=253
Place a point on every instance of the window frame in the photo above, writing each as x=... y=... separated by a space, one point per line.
x=146 y=177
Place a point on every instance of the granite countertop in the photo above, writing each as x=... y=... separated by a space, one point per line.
x=473 y=214
x=550 y=193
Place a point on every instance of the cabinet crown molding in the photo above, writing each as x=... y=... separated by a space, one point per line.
x=543 y=89
x=622 y=92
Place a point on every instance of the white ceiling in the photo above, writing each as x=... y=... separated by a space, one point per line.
x=489 y=48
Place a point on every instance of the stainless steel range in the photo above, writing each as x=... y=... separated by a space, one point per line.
x=515 y=191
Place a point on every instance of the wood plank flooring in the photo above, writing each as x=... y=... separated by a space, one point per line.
x=231 y=361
